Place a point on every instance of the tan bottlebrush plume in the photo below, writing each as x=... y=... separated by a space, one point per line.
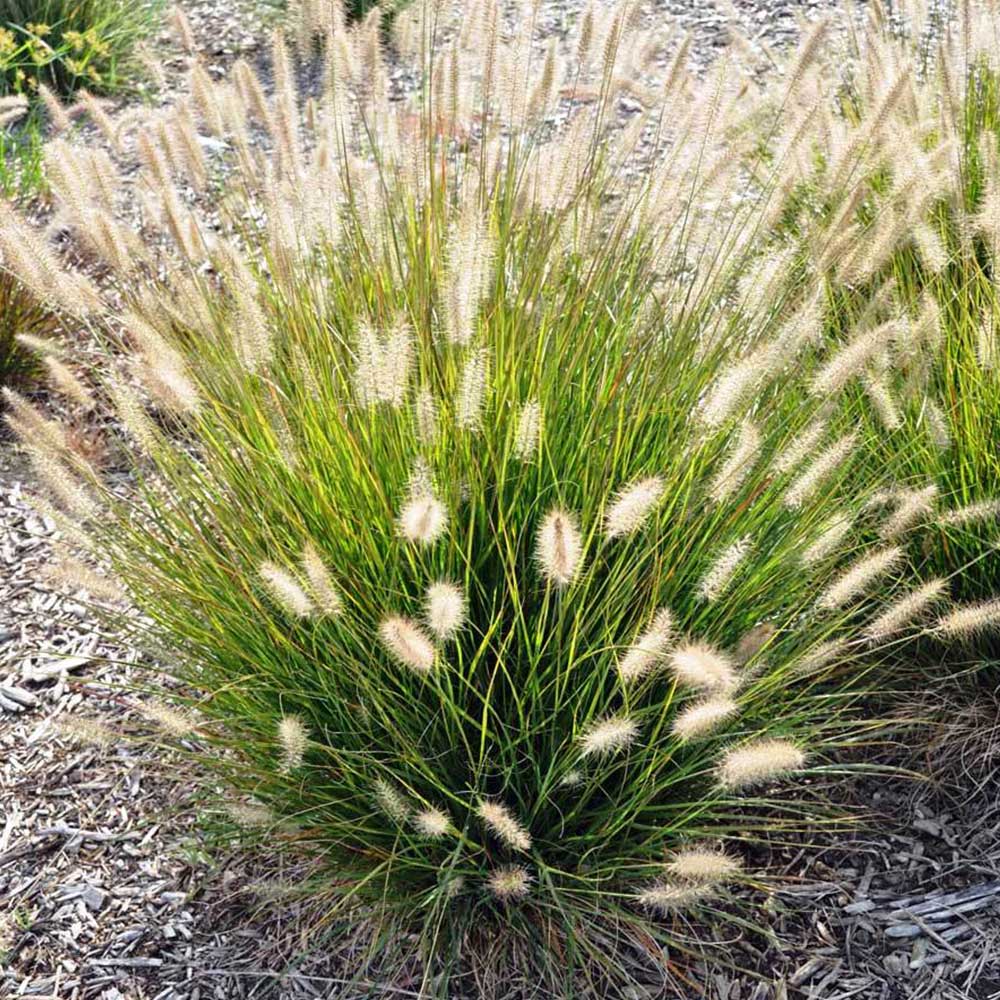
x=528 y=435
x=203 y=94
x=391 y=801
x=62 y=484
x=759 y=762
x=59 y=119
x=984 y=510
x=881 y=399
x=510 y=882
x=71 y=572
x=286 y=113
x=384 y=364
x=968 y=620
x=703 y=718
x=445 y=609
x=817 y=472
x=905 y=610
x=608 y=736
x=912 y=507
x=830 y=539
x=164 y=374
x=425 y=412
x=12 y=108
x=801 y=447
x=285 y=590
x=87 y=731
x=851 y=360
x=250 y=814
x=821 y=655
x=987 y=347
x=854 y=581
x=470 y=260
x=720 y=574
x=133 y=416
x=732 y=388
x=698 y=665
x=937 y=425
x=100 y=117
x=432 y=822
x=294 y=741
x=501 y=822
x=423 y=519
x=34 y=430
x=471 y=395
x=632 y=507
x=67 y=383
x=173 y=721
x=407 y=643
x=736 y=468
x=182 y=28
x=704 y=865
x=559 y=549
x=321 y=586
x=665 y=898
x=649 y=648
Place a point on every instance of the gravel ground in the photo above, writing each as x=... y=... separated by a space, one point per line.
x=107 y=890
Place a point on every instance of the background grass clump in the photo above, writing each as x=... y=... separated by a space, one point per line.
x=66 y=46
x=500 y=504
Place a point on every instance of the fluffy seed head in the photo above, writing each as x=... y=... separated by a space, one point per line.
x=665 y=898
x=321 y=585
x=285 y=590
x=912 y=507
x=249 y=814
x=407 y=643
x=425 y=411
x=698 y=665
x=800 y=448
x=559 y=548
x=704 y=865
x=735 y=469
x=829 y=540
x=608 y=736
x=529 y=425
x=703 y=718
x=759 y=762
x=813 y=476
x=294 y=739
x=87 y=731
x=649 y=648
x=472 y=391
x=905 y=610
x=171 y=720
x=432 y=822
x=722 y=571
x=850 y=361
x=75 y=573
x=423 y=519
x=632 y=507
x=391 y=801
x=986 y=510
x=857 y=578
x=510 y=882
x=445 y=608
x=501 y=822
x=820 y=656
x=968 y=620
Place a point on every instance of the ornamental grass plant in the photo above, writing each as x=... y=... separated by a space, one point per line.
x=499 y=494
